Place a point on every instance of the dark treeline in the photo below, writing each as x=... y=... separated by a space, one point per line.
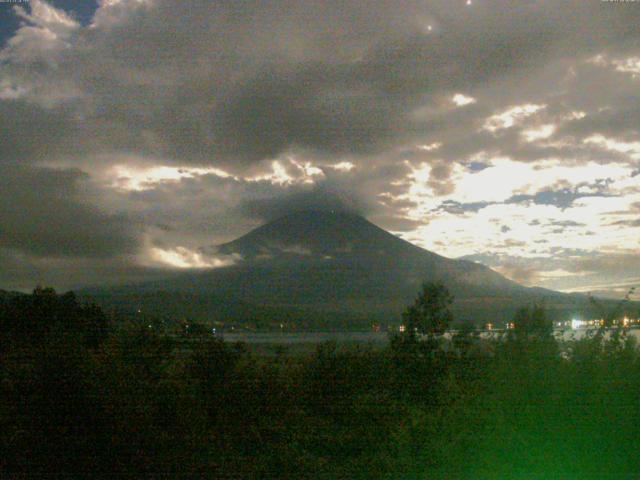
x=82 y=398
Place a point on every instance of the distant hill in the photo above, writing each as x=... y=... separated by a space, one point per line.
x=330 y=269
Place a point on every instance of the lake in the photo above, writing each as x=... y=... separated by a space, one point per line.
x=374 y=338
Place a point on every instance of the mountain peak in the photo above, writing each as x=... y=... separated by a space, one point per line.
x=314 y=232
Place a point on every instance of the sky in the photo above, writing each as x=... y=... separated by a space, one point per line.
x=137 y=134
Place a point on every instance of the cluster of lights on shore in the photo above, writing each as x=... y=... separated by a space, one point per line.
x=577 y=324
x=574 y=324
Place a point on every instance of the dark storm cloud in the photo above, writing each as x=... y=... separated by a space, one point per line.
x=234 y=83
x=42 y=212
x=314 y=109
x=356 y=97
x=32 y=133
x=314 y=198
x=621 y=122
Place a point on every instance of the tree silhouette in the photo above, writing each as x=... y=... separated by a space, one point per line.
x=430 y=313
x=532 y=335
x=532 y=323
x=608 y=315
x=30 y=319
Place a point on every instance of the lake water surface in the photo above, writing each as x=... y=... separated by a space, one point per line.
x=288 y=338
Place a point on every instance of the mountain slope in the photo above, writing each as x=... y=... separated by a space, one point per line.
x=330 y=268
x=348 y=240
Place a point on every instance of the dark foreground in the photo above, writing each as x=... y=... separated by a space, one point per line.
x=80 y=398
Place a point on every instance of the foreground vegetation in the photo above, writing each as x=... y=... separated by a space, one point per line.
x=82 y=398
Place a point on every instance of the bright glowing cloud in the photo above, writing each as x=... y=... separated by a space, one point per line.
x=513 y=116
x=290 y=171
x=560 y=273
x=489 y=184
x=624 y=65
x=126 y=177
x=540 y=133
x=277 y=176
x=45 y=16
x=461 y=100
x=182 y=257
x=629 y=65
x=429 y=147
x=343 y=166
x=487 y=220
x=631 y=148
x=575 y=115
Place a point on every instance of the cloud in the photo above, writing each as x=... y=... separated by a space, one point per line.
x=626 y=264
x=562 y=198
x=522 y=274
x=181 y=257
x=21 y=271
x=512 y=116
x=628 y=223
x=172 y=125
x=42 y=212
x=314 y=198
x=32 y=133
x=217 y=84
x=461 y=100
